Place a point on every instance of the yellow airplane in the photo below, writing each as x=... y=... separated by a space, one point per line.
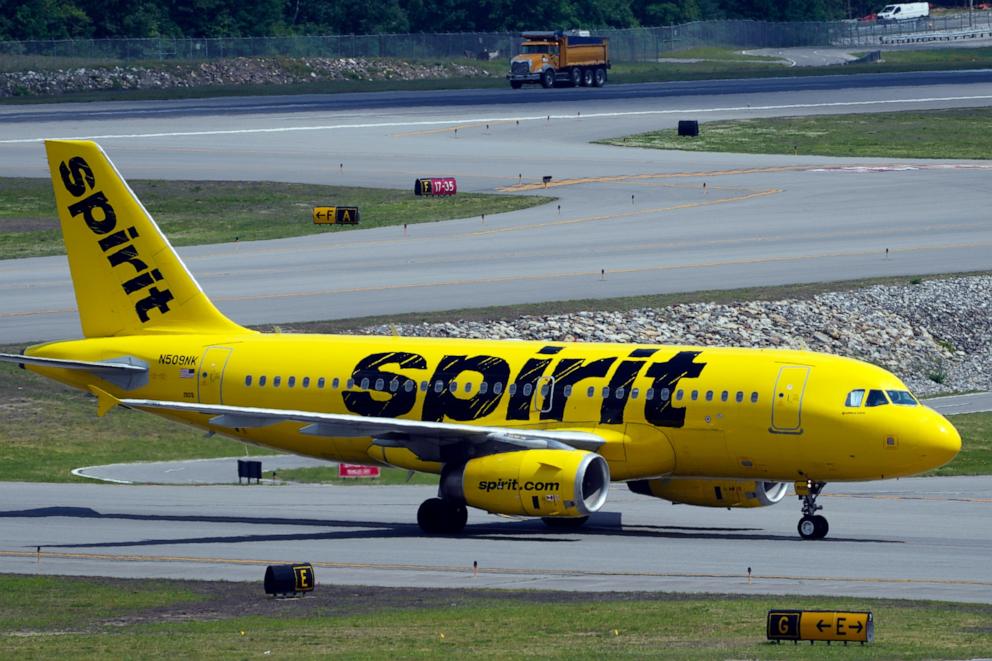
x=536 y=429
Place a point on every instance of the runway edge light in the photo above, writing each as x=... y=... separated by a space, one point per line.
x=828 y=626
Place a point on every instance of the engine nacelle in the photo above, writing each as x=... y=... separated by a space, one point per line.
x=712 y=493
x=553 y=483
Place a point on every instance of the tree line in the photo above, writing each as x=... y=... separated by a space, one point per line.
x=71 y=19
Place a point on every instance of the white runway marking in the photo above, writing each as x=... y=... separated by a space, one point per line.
x=526 y=118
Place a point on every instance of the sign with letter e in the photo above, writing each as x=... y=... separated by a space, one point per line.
x=829 y=626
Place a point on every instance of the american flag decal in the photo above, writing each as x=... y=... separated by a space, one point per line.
x=187 y=373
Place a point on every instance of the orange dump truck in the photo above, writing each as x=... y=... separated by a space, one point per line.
x=570 y=58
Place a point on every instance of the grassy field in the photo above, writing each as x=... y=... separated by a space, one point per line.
x=715 y=63
x=197 y=212
x=955 y=133
x=42 y=617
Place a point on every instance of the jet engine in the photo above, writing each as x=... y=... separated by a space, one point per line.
x=546 y=483
x=712 y=493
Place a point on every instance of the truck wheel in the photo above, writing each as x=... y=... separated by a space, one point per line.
x=600 y=77
x=516 y=84
x=587 y=78
x=548 y=78
x=576 y=74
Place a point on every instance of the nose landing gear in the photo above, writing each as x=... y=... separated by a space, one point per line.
x=812 y=525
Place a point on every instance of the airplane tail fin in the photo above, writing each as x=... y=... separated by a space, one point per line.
x=127 y=277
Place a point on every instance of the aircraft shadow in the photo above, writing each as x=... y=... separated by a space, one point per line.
x=511 y=531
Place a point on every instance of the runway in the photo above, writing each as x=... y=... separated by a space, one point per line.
x=642 y=216
x=912 y=538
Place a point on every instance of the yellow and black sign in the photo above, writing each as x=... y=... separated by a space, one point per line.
x=831 y=626
x=283 y=580
x=335 y=215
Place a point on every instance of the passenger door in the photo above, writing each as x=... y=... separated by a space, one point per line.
x=787 y=404
x=210 y=378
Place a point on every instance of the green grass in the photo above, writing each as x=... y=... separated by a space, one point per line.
x=329 y=475
x=198 y=212
x=955 y=133
x=132 y=619
x=49 y=429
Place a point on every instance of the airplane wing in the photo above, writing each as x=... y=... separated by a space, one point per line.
x=428 y=440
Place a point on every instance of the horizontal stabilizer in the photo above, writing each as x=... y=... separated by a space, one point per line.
x=62 y=363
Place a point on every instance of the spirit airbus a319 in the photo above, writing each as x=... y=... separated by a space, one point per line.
x=537 y=429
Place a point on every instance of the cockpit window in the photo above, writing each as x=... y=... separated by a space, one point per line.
x=902 y=397
x=876 y=398
x=854 y=398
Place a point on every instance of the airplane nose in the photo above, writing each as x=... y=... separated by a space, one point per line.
x=944 y=441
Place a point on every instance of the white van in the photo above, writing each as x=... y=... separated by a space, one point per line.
x=905 y=11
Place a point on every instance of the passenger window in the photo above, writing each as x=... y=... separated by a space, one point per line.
x=380 y=384
x=854 y=398
x=740 y=396
x=321 y=382
x=334 y=384
x=567 y=391
x=544 y=390
x=754 y=398
x=876 y=398
x=695 y=395
x=512 y=389
x=709 y=395
x=649 y=394
x=351 y=383
x=606 y=392
x=634 y=393
x=424 y=386
x=498 y=387
x=306 y=382
x=452 y=386
x=619 y=393
x=248 y=380
x=528 y=389
x=665 y=394
x=291 y=381
x=276 y=380
x=438 y=386
x=483 y=388
x=261 y=381
x=901 y=397
x=468 y=387
x=408 y=386
x=394 y=385
x=724 y=396
x=591 y=391
x=679 y=394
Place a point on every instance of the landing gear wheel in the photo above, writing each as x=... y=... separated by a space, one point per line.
x=560 y=523
x=548 y=78
x=576 y=76
x=587 y=78
x=600 y=77
x=441 y=517
x=812 y=525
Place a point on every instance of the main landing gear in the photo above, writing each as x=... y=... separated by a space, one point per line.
x=439 y=516
x=812 y=525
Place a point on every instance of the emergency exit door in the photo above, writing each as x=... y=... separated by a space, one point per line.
x=210 y=377
x=787 y=407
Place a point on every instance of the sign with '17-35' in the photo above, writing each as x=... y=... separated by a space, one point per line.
x=830 y=626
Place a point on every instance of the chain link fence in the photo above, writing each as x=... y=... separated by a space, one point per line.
x=628 y=45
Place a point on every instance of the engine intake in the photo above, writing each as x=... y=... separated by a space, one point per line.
x=712 y=493
x=547 y=483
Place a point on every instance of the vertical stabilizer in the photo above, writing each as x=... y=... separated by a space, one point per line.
x=128 y=278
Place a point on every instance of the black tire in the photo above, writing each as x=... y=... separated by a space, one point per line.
x=588 y=78
x=821 y=526
x=548 y=78
x=576 y=76
x=516 y=84
x=807 y=527
x=441 y=517
x=561 y=523
x=600 y=77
